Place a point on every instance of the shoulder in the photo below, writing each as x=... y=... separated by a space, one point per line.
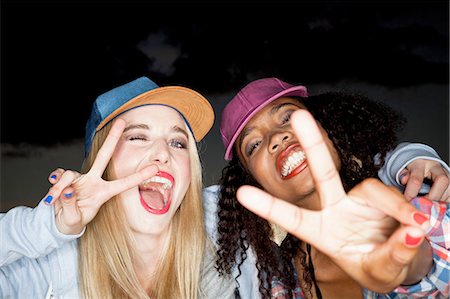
x=213 y=284
x=55 y=273
x=211 y=192
x=210 y=199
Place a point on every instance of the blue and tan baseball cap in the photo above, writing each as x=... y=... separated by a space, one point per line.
x=193 y=107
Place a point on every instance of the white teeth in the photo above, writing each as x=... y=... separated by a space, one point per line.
x=293 y=161
x=167 y=184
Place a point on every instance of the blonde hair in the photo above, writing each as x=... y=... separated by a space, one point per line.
x=106 y=252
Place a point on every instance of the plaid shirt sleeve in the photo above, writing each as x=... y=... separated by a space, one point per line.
x=436 y=284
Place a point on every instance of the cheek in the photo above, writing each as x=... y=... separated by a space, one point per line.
x=183 y=161
x=186 y=171
x=128 y=209
x=184 y=168
x=261 y=171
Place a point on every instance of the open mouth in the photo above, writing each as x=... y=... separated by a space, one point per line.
x=156 y=193
x=291 y=161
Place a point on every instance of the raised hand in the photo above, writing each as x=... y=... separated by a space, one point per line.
x=371 y=232
x=78 y=197
x=418 y=170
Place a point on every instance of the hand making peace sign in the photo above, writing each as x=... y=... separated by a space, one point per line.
x=371 y=232
x=78 y=197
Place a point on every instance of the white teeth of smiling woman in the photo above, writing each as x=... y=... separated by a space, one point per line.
x=167 y=184
x=294 y=159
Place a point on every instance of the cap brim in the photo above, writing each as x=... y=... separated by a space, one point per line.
x=195 y=108
x=299 y=91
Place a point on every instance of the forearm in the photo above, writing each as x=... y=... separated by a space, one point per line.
x=29 y=232
x=401 y=156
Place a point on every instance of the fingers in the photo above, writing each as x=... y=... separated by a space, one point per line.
x=123 y=184
x=404 y=176
x=68 y=220
x=414 y=183
x=390 y=201
x=322 y=167
x=108 y=147
x=68 y=198
x=446 y=196
x=422 y=169
x=55 y=175
x=65 y=180
x=440 y=183
x=393 y=258
x=304 y=224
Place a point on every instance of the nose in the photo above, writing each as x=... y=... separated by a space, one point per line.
x=277 y=139
x=159 y=152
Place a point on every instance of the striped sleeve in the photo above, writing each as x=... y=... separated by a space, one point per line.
x=436 y=284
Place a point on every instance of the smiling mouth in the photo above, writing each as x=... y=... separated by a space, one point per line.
x=291 y=161
x=155 y=194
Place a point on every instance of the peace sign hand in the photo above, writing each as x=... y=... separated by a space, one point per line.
x=78 y=197
x=371 y=232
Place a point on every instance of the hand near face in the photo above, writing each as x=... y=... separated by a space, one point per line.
x=78 y=197
x=371 y=232
x=418 y=170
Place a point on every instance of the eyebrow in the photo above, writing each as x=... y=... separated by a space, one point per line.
x=180 y=130
x=132 y=127
x=175 y=128
x=279 y=106
x=272 y=111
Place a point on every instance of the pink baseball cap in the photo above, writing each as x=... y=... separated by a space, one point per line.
x=249 y=100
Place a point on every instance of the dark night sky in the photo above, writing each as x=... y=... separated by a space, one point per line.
x=56 y=57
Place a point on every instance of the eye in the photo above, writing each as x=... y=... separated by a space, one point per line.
x=137 y=137
x=177 y=143
x=251 y=147
x=286 y=117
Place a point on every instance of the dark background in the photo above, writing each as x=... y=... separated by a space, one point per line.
x=56 y=57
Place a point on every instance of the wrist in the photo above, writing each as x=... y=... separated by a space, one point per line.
x=67 y=229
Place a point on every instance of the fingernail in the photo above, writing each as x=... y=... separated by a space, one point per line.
x=68 y=195
x=400 y=178
x=48 y=199
x=412 y=241
x=53 y=177
x=419 y=218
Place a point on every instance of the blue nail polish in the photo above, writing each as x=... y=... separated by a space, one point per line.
x=53 y=177
x=68 y=195
x=49 y=199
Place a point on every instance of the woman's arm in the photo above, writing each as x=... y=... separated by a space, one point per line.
x=29 y=232
x=409 y=164
x=437 y=280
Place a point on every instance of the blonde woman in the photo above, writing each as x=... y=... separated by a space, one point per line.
x=130 y=226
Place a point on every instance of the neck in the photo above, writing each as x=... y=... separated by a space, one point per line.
x=147 y=254
x=332 y=281
x=310 y=201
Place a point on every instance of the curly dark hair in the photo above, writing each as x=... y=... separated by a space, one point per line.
x=360 y=129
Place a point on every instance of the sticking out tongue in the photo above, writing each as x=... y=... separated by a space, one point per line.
x=154 y=199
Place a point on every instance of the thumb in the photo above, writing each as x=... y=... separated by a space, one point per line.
x=68 y=219
x=392 y=260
